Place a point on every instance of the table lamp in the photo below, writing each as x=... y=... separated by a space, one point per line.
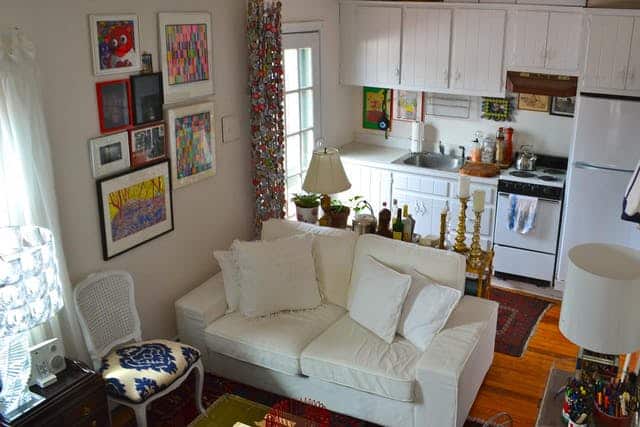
x=30 y=294
x=326 y=176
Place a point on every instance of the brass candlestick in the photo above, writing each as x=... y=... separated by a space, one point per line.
x=460 y=246
x=476 y=255
x=443 y=229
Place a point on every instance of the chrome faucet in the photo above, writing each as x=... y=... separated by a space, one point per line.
x=441 y=147
x=463 y=150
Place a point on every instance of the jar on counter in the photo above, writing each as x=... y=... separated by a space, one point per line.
x=476 y=151
x=488 y=150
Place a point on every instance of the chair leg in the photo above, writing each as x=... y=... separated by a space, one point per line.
x=199 y=367
x=141 y=415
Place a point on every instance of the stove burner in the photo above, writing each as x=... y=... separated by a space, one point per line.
x=548 y=178
x=522 y=174
x=554 y=171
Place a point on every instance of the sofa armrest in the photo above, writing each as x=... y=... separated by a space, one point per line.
x=452 y=368
x=198 y=309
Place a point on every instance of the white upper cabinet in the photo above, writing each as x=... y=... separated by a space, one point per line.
x=633 y=74
x=608 y=51
x=477 y=51
x=426 y=39
x=370 y=45
x=564 y=43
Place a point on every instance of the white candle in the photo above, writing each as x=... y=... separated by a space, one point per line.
x=463 y=186
x=478 y=201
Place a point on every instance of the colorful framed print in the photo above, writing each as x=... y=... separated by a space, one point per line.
x=407 y=105
x=531 y=102
x=115 y=44
x=191 y=143
x=114 y=105
x=377 y=106
x=135 y=207
x=109 y=154
x=497 y=109
x=563 y=106
x=147 y=145
x=147 y=98
x=185 y=55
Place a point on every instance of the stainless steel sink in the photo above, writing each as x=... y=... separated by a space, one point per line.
x=432 y=161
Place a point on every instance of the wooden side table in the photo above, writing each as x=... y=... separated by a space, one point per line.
x=77 y=399
x=482 y=274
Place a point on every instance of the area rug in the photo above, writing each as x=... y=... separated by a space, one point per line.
x=518 y=317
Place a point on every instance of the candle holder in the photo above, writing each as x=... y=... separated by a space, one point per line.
x=460 y=246
x=476 y=254
x=443 y=230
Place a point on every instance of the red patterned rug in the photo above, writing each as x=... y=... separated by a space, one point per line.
x=518 y=317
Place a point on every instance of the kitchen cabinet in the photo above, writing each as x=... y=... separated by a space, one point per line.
x=477 y=51
x=527 y=32
x=426 y=40
x=373 y=184
x=633 y=75
x=370 y=44
x=564 y=42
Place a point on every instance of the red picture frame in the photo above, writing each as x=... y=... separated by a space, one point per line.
x=114 y=105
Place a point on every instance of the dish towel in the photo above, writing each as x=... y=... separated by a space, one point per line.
x=631 y=202
x=522 y=213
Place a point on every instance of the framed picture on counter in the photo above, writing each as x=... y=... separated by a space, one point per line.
x=563 y=106
x=407 y=106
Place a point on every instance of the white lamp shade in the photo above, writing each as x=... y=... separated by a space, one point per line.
x=601 y=299
x=326 y=174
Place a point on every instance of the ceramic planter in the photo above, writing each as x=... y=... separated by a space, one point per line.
x=308 y=215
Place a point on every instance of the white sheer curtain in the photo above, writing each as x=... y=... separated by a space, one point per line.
x=27 y=194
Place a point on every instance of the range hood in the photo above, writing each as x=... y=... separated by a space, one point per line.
x=542 y=84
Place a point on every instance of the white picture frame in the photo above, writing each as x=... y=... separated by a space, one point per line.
x=178 y=86
x=402 y=100
x=107 y=54
x=109 y=154
x=185 y=125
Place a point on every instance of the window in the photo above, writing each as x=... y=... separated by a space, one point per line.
x=302 y=107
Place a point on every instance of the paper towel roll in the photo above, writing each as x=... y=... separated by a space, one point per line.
x=416 y=137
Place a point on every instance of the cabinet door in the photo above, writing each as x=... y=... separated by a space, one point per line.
x=633 y=75
x=527 y=38
x=564 y=43
x=477 y=51
x=426 y=39
x=422 y=210
x=609 y=42
x=370 y=38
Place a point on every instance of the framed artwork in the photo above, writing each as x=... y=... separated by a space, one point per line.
x=185 y=55
x=115 y=44
x=530 y=102
x=109 y=154
x=563 y=106
x=497 y=109
x=407 y=106
x=147 y=63
x=114 y=105
x=191 y=143
x=135 y=207
x=377 y=106
x=147 y=144
x=147 y=98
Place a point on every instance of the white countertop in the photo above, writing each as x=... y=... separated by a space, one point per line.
x=383 y=157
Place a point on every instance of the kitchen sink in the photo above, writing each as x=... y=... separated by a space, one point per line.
x=432 y=161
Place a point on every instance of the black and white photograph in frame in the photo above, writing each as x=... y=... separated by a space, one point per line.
x=109 y=154
x=147 y=98
x=563 y=106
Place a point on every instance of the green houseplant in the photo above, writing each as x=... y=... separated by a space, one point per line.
x=306 y=207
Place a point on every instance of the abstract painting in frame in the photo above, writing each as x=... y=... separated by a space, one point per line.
x=185 y=55
x=135 y=207
x=191 y=143
x=115 y=44
x=147 y=144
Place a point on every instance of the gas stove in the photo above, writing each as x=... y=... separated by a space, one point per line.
x=541 y=176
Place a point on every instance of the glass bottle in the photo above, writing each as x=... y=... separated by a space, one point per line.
x=488 y=150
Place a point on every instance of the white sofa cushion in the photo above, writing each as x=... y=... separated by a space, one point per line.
x=378 y=297
x=273 y=342
x=332 y=252
x=277 y=275
x=231 y=276
x=350 y=355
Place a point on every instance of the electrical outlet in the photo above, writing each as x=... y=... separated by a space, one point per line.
x=230 y=128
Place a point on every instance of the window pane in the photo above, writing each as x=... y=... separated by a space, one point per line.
x=290 y=69
x=307 y=148
x=294 y=185
x=292 y=107
x=293 y=155
x=307 y=109
x=306 y=68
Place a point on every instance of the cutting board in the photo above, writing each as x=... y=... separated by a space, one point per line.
x=485 y=170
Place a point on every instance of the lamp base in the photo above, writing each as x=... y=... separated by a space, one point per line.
x=325 y=203
x=29 y=401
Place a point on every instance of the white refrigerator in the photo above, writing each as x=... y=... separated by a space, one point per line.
x=604 y=153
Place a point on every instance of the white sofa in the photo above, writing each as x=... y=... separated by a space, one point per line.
x=324 y=355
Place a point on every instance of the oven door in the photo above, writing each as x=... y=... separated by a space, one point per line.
x=543 y=237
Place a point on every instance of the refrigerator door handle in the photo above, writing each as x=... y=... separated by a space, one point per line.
x=584 y=165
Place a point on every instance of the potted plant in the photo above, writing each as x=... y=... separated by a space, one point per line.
x=339 y=214
x=307 y=207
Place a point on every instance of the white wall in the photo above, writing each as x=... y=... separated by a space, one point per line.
x=208 y=215
x=548 y=134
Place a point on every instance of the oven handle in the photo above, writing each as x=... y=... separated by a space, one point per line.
x=557 y=202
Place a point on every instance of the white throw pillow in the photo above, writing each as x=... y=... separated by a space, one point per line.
x=230 y=277
x=426 y=310
x=278 y=275
x=378 y=298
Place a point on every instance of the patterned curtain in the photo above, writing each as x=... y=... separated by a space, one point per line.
x=266 y=84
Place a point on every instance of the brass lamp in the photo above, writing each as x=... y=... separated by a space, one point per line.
x=326 y=176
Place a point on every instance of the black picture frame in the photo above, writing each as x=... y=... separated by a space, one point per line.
x=147 y=98
x=558 y=107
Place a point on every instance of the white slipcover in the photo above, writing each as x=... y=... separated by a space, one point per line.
x=273 y=342
x=349 y=354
